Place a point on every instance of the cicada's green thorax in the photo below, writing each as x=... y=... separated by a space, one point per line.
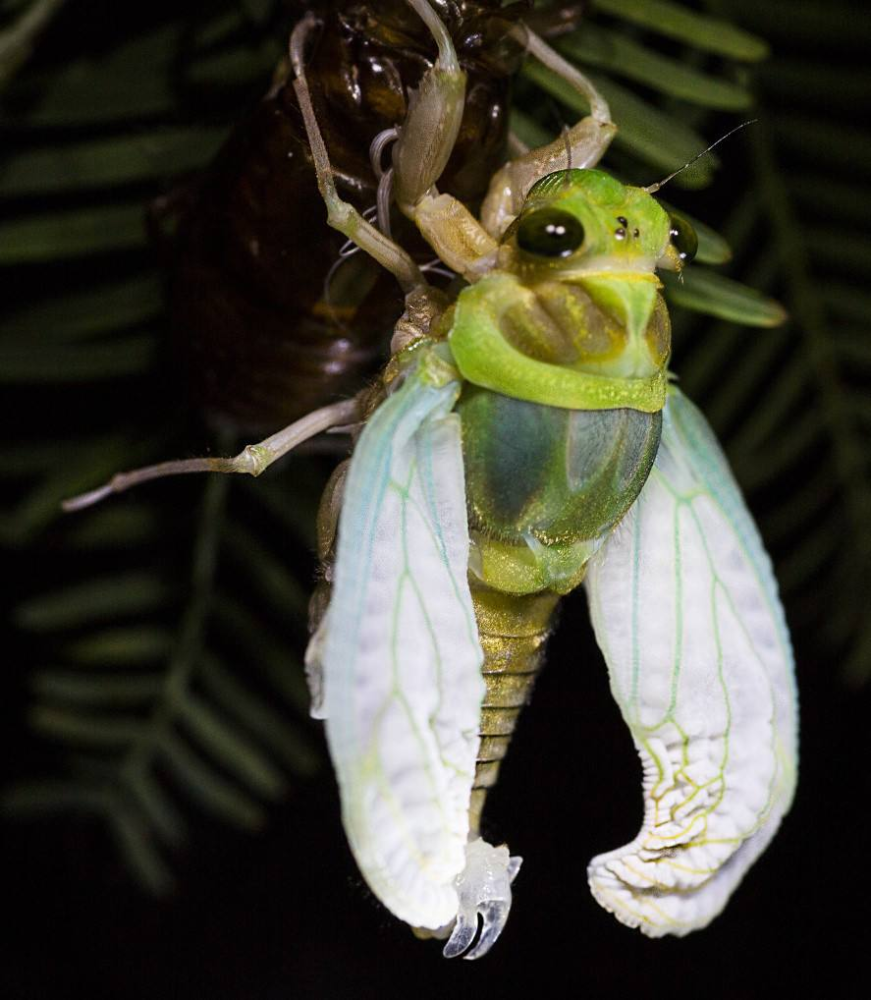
x=563 y=348
x=545 y=484
x=572 y=317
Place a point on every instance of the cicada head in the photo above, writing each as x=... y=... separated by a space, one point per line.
x=585 y=221
x=589 y=247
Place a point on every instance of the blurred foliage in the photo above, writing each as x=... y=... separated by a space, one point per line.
x=160 y=635
x=793 y=405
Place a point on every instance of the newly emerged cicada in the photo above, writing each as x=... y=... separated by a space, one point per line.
x=523 y=440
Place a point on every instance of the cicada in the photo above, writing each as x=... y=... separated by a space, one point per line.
x=525 y=440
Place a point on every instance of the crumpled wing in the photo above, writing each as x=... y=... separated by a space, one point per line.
x=400 y=656
x=686 y=612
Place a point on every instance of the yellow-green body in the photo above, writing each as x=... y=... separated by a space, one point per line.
x=514 y=427
x=563 y=364
x=563 y=357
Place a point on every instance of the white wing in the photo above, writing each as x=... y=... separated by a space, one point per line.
x=686 y=612
x=400 y=656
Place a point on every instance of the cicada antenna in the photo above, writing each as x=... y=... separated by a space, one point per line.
x=655 y=187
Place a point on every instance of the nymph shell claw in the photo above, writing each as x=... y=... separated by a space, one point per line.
x=484 y=889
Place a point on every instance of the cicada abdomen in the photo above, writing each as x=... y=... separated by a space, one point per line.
x=268 y=323
x=543 y=485
x=513 y=630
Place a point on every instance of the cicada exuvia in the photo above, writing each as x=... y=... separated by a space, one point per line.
x=272 y=318
x=524 y=440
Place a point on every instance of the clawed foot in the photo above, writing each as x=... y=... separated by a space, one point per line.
x=484 y=889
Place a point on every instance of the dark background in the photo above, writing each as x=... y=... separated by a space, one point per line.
x=284 y=913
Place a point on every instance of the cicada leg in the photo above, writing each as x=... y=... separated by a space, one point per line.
x=340 y=214
x=424 y=143
x=427 y=137
x=251 y=461
x=583 y=145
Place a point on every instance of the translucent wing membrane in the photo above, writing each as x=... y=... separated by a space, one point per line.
x=400 y=657
x=686 y=612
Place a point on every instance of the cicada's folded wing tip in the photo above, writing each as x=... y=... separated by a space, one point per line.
x=659 y=892
x=422 y=897
x=686 y=611
x=401 y=660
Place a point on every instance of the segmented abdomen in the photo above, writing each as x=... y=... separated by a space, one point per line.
x=513 y=631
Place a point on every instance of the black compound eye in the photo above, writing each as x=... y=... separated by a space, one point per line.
x=550 y=232
x=683 y=237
